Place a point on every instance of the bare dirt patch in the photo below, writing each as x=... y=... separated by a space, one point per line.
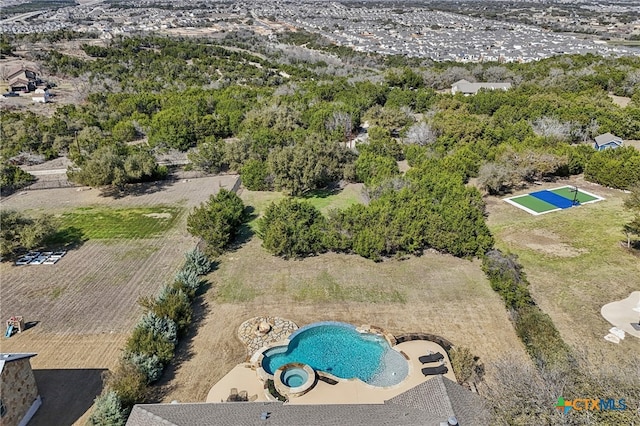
x=633 y=143
x=543 y=241
x=621 y=101
x=159 y=215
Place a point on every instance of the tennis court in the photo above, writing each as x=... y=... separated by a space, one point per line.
x=551 y=200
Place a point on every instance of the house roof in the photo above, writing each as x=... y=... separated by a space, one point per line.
x=19 y=71
x=18 y=81
x=465 y=87
x=444 y=398
x=606 y=138
x=6 y=358
x=428 y=404
x=250 y=413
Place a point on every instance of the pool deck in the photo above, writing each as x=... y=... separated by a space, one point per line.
x=622 y=315
x=244 y=378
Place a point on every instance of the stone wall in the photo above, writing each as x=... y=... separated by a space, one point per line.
x=18 y=391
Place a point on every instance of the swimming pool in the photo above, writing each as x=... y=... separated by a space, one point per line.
x=339 y=349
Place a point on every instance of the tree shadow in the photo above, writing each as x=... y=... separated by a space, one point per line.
x=67 y=238
x=245 y=233
x=322 y=193
x=136 y=189
x=66 y=394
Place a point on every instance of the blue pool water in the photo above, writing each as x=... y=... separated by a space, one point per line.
x=339 y=349
x=294 y=377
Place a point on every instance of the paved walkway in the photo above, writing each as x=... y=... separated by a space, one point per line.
x=259 y=332
x=622 y=315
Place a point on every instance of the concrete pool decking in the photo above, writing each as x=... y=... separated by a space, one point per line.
x=621 y=314
x=243 y=377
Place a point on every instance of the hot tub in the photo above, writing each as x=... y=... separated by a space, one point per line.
x=294 y=379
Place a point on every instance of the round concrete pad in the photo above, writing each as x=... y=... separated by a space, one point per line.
x=623 y=315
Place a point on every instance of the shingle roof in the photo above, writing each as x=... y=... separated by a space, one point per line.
x=444 y=398
x=606 y=138
x=466 y=87
x=428 y=404
x=279 y=414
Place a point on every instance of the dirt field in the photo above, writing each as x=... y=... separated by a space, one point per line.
x=575 y=263
x=433 y=293
x=82 y=309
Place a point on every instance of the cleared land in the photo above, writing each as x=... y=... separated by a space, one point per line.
x=433 y=293
x=575 y=263
x=82 y=309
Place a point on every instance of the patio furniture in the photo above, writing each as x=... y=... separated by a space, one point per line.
x=431 y=358
x=432 y=371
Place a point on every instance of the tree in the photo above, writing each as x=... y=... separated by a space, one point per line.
x=12 y=178
x=373 y=169
x=292 y=229
x=19 y=232
x=208 y=156
x=111 y=165
x=217 y=221
x=254 y=174
x=308 y=165
x=421 y=134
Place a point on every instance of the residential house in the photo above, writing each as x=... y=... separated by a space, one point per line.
x=467 y=88
x=19 y=398
x=435 y=402
x=607 y=141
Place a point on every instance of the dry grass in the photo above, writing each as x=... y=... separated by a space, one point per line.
x=576 y=264
x=434 y=293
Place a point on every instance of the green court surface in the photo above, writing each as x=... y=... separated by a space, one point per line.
x=533 y=203
x=569 y=193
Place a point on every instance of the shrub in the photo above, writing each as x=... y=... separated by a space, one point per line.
x=145 y=341
x=154 y=335
x=463 y=363
x=107 y=411
x=161 y=325
x=506 y=277
x=540 y=337
x=19 y=232
x=373 y=169
x=129 y=384
x=197 y=261
x=174 y=304
x=12 y=178
x=254 y=174
x=292 y=229
x=189 y=280
x=616 y=168
x=217 y=221
x=149 y=365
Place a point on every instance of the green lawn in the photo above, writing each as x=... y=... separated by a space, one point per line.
x=576 y=263
x=533 y=203
x=101 y=223
x=323 y=200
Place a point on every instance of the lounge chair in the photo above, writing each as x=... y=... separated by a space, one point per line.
x=431 y=358
x=432 y=371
